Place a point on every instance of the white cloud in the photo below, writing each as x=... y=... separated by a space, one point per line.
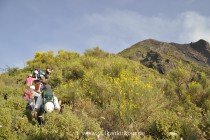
x=123 y=28
x=195 y=27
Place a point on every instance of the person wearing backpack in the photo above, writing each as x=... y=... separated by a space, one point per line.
x=38 y=74
x=29 y=80
x=35 y=74
x=44 y=100
x=48 y=71
x=44 y=76
x=29 y=97
x=38 y=85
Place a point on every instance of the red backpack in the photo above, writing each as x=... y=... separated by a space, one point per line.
x=27 y=95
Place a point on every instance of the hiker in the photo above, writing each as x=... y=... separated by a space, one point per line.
x=48 y=71
x=29 y=97
x=27 y=94
x=38 y=85
x=29 y=80
x=37 y=74
x=44 y=101
x=43 y=76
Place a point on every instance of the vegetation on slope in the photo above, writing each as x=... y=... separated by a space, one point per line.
x=107 y=94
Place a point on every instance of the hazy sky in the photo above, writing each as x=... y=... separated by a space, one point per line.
x=28 y=26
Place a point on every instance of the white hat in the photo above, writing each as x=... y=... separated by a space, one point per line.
x=36 y=72
x=49 y=107
x=32 y=87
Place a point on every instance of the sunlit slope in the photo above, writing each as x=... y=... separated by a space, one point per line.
x=105 y=94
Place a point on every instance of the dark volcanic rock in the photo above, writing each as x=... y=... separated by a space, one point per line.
x=203 y=48
x=154 y=60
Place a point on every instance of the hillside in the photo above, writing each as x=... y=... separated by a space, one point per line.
x=108 y=96
x=169 y=54
x=198 y=51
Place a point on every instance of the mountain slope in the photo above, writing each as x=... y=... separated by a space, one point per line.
x=111 y=96
x=198 y=51
x=169 y=54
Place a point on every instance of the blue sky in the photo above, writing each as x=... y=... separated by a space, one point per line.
x=28 y=26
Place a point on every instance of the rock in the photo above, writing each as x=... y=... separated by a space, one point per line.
x=5 y=97
x=173 y=135
x=154 y=60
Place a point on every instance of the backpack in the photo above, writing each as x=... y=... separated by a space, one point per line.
x=47 y=94
x=35 y=74
x=38 y=73
x=27 y=95
x=47 y=97
x=41 y=73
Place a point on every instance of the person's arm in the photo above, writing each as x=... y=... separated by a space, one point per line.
x=35 y=93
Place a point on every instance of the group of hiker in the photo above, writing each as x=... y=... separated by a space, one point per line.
x=39 y=95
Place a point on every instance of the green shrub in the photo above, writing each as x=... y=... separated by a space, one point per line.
x=56 y=78
x=96 y=52
x=62 y=126
x=89 y=62
x=42 y=60
x=189 y=132
x=97 y=88
x=15 y=102
x=12 y=71
x=164 y=123
x=196 y=92
x=74 y=71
